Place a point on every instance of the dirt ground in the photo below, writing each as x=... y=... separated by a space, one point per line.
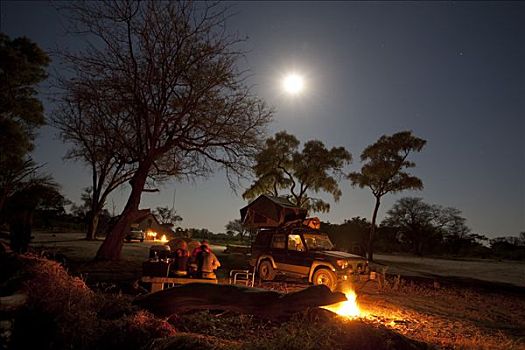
x=445 y=303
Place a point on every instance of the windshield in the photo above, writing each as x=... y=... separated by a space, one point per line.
x=318 y=242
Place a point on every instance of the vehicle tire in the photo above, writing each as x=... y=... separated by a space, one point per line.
x=141 y=240
x=326 y=277
x=266 y=271
x=128 y=239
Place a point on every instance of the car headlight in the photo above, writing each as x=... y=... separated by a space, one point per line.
x=342 y=263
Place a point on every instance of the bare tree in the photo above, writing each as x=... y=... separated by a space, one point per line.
x=82 y=123
x=169 y=72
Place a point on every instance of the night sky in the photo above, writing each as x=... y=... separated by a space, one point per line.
x=452 y=72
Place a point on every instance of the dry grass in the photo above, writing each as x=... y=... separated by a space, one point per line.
x=456 y=318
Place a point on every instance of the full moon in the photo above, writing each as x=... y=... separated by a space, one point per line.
x=293 y=84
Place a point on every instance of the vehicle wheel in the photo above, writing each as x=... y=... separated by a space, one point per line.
x=128 y=239
x=266 y=271
x=141 y=240
x=326 y=277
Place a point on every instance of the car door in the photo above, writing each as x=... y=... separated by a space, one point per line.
x=278 y=249
x=297 y=261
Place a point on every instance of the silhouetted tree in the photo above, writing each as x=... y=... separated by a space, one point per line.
x=351 y=235
x=82 y=122
x=167 y=74
x=384 y=171
x=22 y=66
x=235 y=227
x=167 y=215
x=280 y=165
x=40 y=193
x=426 y=227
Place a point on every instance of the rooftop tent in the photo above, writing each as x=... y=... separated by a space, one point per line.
x=268 y=211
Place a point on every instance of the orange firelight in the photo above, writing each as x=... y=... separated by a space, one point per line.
x=163 y=239
x=151 y=234
x=348 y=308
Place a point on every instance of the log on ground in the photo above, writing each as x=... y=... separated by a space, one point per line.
x=260 y=302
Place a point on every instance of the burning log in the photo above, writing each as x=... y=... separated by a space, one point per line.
x=264 y=303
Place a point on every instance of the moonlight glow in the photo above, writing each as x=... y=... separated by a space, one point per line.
x=293 y=84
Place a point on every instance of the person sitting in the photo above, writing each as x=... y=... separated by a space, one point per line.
x=180 y=259
x=206 y=261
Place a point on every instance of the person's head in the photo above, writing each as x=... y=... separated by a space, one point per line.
x=183 y=245
x=205 y=242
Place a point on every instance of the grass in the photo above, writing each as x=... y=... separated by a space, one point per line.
x=451 y=315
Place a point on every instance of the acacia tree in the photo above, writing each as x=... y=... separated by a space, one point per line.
x=82 y=123
x=22 y=66
x=166 y=72
x=280 y=165
x=424 y=226
x=384 y=172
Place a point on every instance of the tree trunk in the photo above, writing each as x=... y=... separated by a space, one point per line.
x=373 y=231
x=92 y=225
x=112 y=245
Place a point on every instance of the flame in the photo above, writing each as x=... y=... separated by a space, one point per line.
x=348 y=308
x=163 y=239
x=152 y=234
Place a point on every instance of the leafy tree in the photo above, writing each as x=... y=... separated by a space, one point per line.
x=40 y=193
x=235 y=227
x=166 y=73
x=280 y=165
x=22 y=67
x=350 y=235
x=426 y=226
x=384 y=171
x=167 y=215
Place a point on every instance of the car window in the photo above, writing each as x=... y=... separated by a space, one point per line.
x=318 y=242
x=295 y=243
x=278 y=241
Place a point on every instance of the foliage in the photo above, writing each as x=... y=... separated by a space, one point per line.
x=235 y=227
x=39 y=194
x=509 y=247
x=429 y=228
x=384 y=170
x=22 y=67
x=351 y=235
x=167 y=215
x=280 y=165
x=165 y=76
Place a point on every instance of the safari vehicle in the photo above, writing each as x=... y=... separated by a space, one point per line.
x=135 y=235
x=288 y=243
x=305 y=253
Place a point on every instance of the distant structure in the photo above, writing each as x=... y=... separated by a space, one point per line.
x=153 y=229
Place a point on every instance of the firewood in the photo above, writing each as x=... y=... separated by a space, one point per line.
x=260 y=302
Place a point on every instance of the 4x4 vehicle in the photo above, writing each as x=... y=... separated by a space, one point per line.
x=303 y=252
x=135 y=235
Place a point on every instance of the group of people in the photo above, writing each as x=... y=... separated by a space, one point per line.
x=201 y=263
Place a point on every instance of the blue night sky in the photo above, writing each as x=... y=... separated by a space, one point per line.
x=452 y=72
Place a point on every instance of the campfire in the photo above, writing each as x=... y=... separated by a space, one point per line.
x=348 y=308
x=153 y=236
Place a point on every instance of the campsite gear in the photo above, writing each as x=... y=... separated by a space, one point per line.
x=268 y=211
x=155 y=268
x=160 y=250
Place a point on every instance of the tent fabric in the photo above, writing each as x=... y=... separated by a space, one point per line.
x=269 y=211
